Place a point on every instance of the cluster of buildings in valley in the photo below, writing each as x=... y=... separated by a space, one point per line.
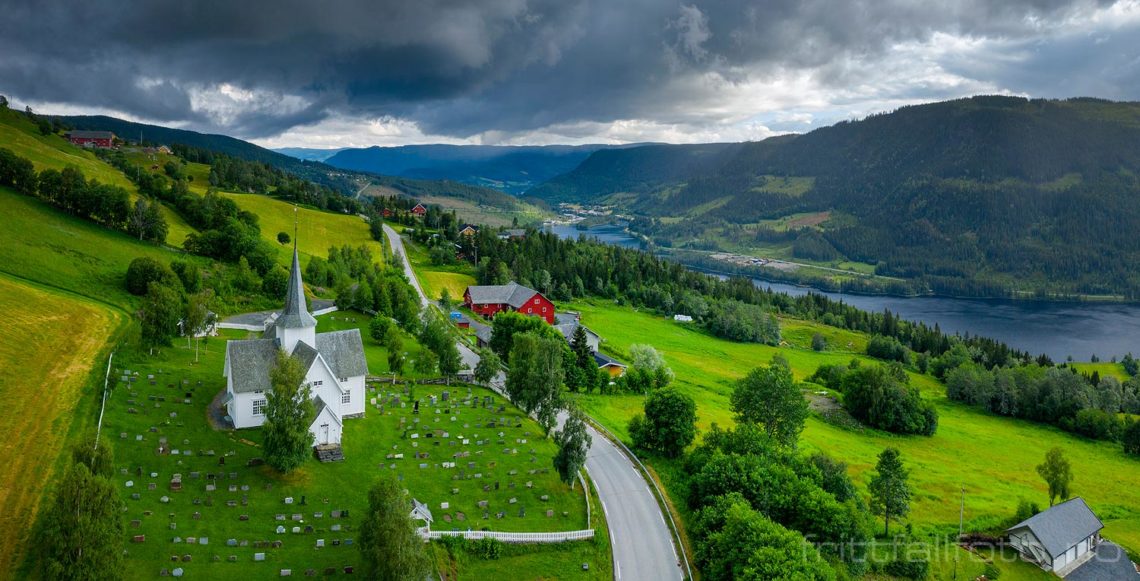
x=574 y=213
x=742 y=260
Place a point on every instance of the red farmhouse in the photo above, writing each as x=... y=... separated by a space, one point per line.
x=488 y=300
x=419 y=210
x=103 y=139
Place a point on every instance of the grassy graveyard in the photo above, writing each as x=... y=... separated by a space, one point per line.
x=227 y=510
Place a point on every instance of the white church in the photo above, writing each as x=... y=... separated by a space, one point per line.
x=334 y=367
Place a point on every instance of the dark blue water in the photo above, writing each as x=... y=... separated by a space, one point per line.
x=1058 y=329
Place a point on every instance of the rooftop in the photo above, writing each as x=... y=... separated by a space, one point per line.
x=1062 y=526
x=513 y=294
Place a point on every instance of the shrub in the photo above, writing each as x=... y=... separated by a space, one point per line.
x=143 y=271
x=914 y=568
x=488 y=548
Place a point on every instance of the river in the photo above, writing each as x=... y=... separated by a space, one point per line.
x=1058 y=329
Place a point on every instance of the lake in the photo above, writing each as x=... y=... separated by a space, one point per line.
x=1058 y=329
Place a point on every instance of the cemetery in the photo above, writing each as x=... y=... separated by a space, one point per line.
x=201 y=503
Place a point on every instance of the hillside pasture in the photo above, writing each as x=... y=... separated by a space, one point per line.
x=991 y=457
x=52 y=351
x=42 y=244
x=54 y=152
x=316 y=230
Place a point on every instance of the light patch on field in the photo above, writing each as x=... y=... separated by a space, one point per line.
x=794 y=186
x=51 y=344
x=316 y=230
x=454 y=282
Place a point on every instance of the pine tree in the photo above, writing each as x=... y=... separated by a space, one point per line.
x=289 y=412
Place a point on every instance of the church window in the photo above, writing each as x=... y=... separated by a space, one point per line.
x=346 y=397
x=318 y=383
x=258 y=407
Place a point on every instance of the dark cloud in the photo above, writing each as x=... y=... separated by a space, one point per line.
x=256 y=68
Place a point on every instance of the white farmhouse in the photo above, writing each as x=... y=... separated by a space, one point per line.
x=1059 y=538
x=334 y=367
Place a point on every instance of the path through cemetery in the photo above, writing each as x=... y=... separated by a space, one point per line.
x=642 y=542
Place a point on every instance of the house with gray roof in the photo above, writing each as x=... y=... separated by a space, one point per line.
x=334 y=366
x=1059 y=538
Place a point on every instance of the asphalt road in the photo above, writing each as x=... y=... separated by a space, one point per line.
x=642 y=543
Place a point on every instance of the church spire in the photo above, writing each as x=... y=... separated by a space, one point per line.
x=295 y=314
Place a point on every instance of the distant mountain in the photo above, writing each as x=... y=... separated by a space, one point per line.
x=974 y=196
x=512 y=169
x=308 y=154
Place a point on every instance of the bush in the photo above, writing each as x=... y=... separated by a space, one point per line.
x=488 y=548
x=915 y=568
x=881 y=397
x=1095 y=424
x=888 y=349
x=1132 y=439
x=818 y=343
x=143 y=271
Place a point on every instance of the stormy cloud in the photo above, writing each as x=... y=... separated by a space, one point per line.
x=353 y=71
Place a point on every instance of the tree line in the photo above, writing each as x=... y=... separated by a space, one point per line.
x=70 y=191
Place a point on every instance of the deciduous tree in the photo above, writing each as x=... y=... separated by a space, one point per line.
x=668 y=425
x=80 y=534
x=771 y=398
x=488 y=366
x=890 y=491
x=1058 y=474
x=535 y=376
x=289 y=412
x=573 y=442
x=391 y=549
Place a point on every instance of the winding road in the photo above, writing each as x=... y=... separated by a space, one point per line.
x=642 y=542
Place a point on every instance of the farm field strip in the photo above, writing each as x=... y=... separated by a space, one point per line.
x=52 y=344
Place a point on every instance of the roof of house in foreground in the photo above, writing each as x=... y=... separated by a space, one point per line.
x=1062 y=526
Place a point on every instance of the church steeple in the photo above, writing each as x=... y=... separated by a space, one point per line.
x=295 y=323
x=295 y=314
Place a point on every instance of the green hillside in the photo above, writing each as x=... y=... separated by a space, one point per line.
x=992 y=196
x=21 y=136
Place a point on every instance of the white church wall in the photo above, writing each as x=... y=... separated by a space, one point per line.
x=242 y=410
x=355 y=406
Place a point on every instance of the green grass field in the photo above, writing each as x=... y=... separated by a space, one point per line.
x=42 y=244
x=54 y=152
x=55 y=341
x=471 y=211
x=992 y=458
x=316 y=230
x=455 y=278
x=368 y=444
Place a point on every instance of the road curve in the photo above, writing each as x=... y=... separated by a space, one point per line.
x=642 y=542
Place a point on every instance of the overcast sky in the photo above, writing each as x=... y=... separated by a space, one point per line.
x=340 y=73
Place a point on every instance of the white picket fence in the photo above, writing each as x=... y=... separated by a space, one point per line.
x=505 y=537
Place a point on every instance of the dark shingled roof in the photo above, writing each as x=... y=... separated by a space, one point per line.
x=344 y=352
x=603 y=360
x=250 y=361
x=513 y=294
x=305 y=354
x=1062 y=526
x=295 y=315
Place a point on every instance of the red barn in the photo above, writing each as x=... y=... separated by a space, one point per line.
x=488 y=300
x=103 y=139
x=419 y=210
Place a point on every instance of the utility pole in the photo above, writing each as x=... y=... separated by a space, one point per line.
x=961 y=516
